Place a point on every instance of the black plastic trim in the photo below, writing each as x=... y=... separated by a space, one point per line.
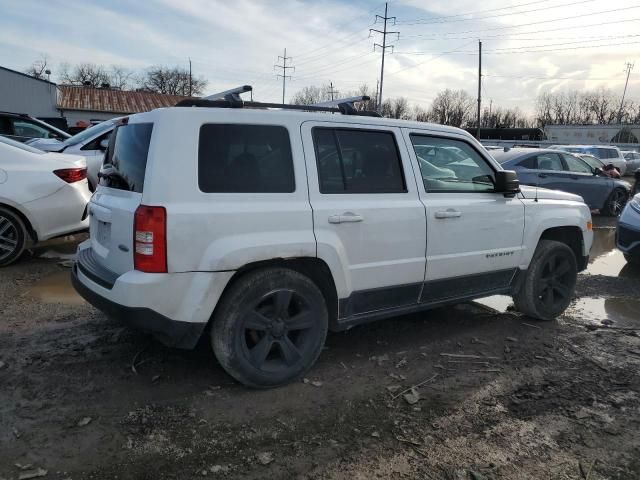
x=170 y=332
x=92 y=269
x=479 y=285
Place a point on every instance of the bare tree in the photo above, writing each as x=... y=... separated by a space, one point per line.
x=573 y=107
x=396 y=108
x=120 y=77
x=172 y=80
x=311 y=94
x=88 y=74
x=38 y=68
x=452 y=107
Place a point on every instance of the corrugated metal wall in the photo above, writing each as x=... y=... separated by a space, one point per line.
x=22 y=94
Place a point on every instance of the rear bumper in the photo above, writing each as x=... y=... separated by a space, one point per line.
x=174 y=307
x=172 y=333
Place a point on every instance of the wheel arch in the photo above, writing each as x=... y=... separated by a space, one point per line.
x=570 y=236
x=25 y=219
x=312 y=267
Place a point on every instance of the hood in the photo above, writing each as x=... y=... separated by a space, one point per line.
x=546 y=194
x=46 y=144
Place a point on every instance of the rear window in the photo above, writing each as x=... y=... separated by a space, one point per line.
x=127 y=157
x=245 y=159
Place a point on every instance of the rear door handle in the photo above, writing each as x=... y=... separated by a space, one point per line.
x=347 y=217
x=448 y=214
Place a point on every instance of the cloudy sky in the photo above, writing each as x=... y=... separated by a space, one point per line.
x=529 y=46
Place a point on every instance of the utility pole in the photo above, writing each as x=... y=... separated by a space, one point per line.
x=284 y=68
x=383 y=47
x=190 y=81
x=628 y=67
x=479 y=83
x=332 y=92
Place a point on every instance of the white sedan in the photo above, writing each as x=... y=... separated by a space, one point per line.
x=42 y=196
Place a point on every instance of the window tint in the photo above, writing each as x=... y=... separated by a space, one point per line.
x=576 y=164
x=529 y=162
x=607 y=153
x=23 y=128
x=245 y=159
x=127 y=157
x=5 y=127
x=448 y=164
x=357 y=161
x=549 y=161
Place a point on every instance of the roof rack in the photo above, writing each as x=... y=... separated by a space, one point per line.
x=231 y=99
x=338 y=101
x=235 y=92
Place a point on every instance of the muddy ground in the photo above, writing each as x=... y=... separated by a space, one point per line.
x=81 y=397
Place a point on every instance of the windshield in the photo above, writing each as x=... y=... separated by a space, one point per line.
x=19 y=145
x=89 y=133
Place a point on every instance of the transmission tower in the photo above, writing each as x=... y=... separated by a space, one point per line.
x=384 y=32
x=284 y=68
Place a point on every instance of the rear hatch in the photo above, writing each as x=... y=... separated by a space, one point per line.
x=113 y=206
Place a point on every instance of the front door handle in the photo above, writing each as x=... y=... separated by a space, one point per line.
x=543 y=175
x=347 y=217
x=448 y=214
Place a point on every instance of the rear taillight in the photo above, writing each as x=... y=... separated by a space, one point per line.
x=71 y=175
x=150 y=239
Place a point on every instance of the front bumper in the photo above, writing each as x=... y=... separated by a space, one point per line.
x=174 y=307
x=628 y=239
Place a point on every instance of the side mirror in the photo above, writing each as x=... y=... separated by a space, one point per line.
x=507 y=183
x=597 y=171
x=104 y=143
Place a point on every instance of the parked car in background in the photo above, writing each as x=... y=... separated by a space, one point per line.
x=42 y=195
x=628 y=232
x=90 y=143
x=606 y=153
x=559 y=170
x=633 y=161
x=271 y=227
x=22 y=127
x=594 y=162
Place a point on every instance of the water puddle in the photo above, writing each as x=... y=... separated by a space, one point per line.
x=55 y=288
x=617 y=312
x=499 y=303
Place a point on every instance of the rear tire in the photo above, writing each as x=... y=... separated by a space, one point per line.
x=632 y=260
x=550 y=281
x=269 y=327
x=13 y=237
x=616 y=202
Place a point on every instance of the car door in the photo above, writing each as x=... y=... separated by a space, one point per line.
x=368 y=219
x=594 y=189
x=551 y=172
x=474 y=235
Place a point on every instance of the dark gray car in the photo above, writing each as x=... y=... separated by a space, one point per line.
x=565 y=171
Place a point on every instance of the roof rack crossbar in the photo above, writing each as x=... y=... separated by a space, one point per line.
x=338 y=101
x=231 y=102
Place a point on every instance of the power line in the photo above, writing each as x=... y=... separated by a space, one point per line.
x=484 y=11
x=535 y=23
x=384 y=32
x=521 y=77
x=496 y=16
x=284 y=68
x=435 y=57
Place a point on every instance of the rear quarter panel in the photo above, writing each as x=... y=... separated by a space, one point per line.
x=223 y=231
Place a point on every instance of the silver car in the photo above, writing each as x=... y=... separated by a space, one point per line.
x=633 y=161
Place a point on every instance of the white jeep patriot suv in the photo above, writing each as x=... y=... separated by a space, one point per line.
x=266 y=228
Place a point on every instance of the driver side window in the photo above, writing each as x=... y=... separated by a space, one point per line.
x=449 y=165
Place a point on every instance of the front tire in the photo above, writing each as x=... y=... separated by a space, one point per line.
x=270 y=327
x=616 y=202
x=632 y=260
x=550 y=281
x=13 y=237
